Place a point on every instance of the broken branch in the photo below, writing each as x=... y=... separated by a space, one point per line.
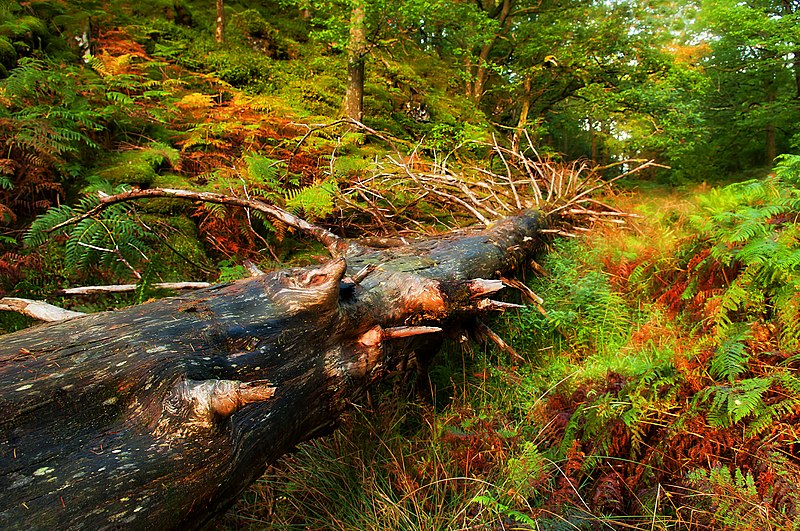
x=334 y=244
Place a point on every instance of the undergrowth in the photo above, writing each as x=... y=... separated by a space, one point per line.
x=659 y=391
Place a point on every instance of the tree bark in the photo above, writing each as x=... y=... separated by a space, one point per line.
x=481 y=76
x=220 y=29
x=771 y=150
x=356 y=49
x=159 y=415
x=523 y=111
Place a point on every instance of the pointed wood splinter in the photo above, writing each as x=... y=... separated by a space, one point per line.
x=522 y=288
x=363 y=273
x=481 y=287
x=253 y=269
x=408 y=331
x=486 y=333
x=500 y=306
x=376 y=334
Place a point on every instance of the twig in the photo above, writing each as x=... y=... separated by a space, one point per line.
x=117 y=252
x=453 y=198
x=508 y=172
x=485 y=332
x=312 y=128
x=606 y=183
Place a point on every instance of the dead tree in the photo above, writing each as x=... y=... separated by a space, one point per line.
x=159 y=415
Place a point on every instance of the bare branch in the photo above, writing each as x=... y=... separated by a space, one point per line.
x=335 y=245
x=122 y=288
x=37 y=309
x=485 y=334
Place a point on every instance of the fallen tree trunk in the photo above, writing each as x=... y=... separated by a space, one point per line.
x=159 y=415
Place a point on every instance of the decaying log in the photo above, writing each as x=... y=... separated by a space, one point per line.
x=157 y=416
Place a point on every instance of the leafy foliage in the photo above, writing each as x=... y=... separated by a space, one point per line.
x=112 y=240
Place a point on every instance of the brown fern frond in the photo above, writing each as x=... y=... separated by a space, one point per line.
x=7 y=166
x=14 y=267
x=7 y=215
x=34 y=160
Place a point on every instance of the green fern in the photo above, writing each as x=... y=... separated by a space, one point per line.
x=110 y=240
x=733 y=495
x=49 y=117
x=732 y=355
x=732 y=404
x=313 y=201
x=264 y=170
x=755 y=231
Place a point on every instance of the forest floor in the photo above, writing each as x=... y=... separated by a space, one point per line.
x=632 y=409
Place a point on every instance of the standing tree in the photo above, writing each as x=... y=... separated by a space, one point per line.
x=753 y=66
x=356 y=50
x=220 y=29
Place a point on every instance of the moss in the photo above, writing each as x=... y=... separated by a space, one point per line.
x=139 y=166
x=241 y=69
x=129 y=170
x=348 y=165
x=254 y=30
x=184 y=249
x=34 y=27
x=322 y=96
x=8 y=54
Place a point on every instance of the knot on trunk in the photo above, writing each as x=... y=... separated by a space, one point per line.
x=204 y=403
x=307 y=289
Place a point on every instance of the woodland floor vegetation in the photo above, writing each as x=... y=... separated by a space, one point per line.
x=658 y=390
x=655 y=386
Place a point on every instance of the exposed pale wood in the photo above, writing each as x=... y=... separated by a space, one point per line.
x=37 y=309
x=122 y=288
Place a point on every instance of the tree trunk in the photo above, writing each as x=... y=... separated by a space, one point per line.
x=157 y=416
x=356 y=49
x=796 y=66
x=771 y=149
x=220 y=30
x=482 y=71
x=523 y=112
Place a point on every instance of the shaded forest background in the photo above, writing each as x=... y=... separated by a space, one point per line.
x=655 y=386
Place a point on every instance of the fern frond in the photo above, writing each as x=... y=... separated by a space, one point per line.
x=264 y=171
x=315 y=201
x=119 y=97
x=733 y=404
x=747 y=398
x=732 y=355
x=38 y=232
